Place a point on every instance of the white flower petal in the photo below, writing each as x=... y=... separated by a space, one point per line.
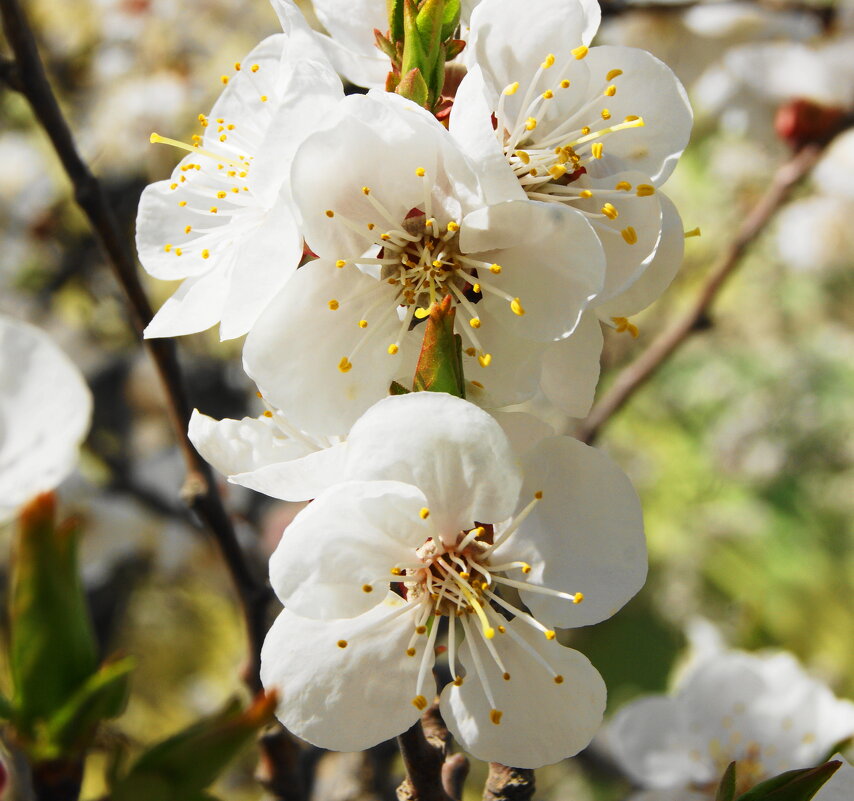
x=350 y=698
x=542 y=722
x=294 y=350
x=570 y=368
x=647 y=88
x=45 y=410
x=455 y=453
x=195 y=306
x=585 y=535
x=348 y=539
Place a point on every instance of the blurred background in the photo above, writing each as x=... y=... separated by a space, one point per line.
x=741 y=447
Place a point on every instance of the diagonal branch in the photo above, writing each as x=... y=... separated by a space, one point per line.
x=27 y=75
x=633 y=377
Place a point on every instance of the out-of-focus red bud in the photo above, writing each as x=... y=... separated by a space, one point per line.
x=803 y=122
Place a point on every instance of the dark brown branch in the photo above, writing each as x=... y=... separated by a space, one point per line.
x=633 y=377
x=430 y=774
x=509 y=784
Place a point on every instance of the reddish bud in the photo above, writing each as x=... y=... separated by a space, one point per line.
x=803 y=122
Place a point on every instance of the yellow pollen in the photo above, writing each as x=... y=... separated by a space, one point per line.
x=437 y=263
x=538 y=495
x=516 y=307
x=495 y=269
x=167 y=248
x=329 y=213
x=255 y=68
x=206 y=254
x=629 y=235
x=613 y=74
x=420 y=172
x=342 y=643
x=550 y=635
x=624 y=324
x=564 y=84
x=580 y=52
x=692 y=232
x=366 y=190
x=530 y=123
x=221 y=194
x=485 y=359
x=224 y=79
x=505 y=676
x=475 y=322
x=410 y=652
x=421 y=629
x=367 y=588
x=502 y=630
x=345 y=365
x=469 y=351
x=458 y=680
x=213 y=209
x=549 y=62
x=610 y=211
x=585 y=193
x=465 y=575
x=363 y=323
x=557 y=171
x=268 y=413
x=623 y=186
x=644 y=190
x=596 y=150
x=223 y=138
x=173 y=186
x=422 y=313
x=548 y=94
x=333 y=305
x=495 y=716
x=606 y=115
x=182 y=203
x=633 y=118
x=534 y=172
x=526 y=568
x=203 y=119
x=610 y=91
x=475 y=288
x=558 y=679
x=188 y=229
x=453 y=227
x=340 y=263
x=585 y=130
x=385 y=237
x=579 y=597
x=512 y=88
x=237 y=65
x=424 y=513
x=264 y=98
x=396 y=571
x=392 y=349
x=178 y=251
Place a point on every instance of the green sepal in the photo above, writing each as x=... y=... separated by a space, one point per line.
x=450 y=19
x=52 y=645
x=440 y=364
x=385 y=45
x=726 y=790
x=793 y=785
x=414 y=57
x=429 y=23
x=102 y=696
x=398 y=389
x=413 y=87
x=395 y=19
x=453 y=48
x=184 y=765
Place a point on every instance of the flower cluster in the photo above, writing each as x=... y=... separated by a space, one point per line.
x=516 y=188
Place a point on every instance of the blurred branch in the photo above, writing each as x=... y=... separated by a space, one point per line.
x=9 y=74
x=633 y=377
x=509 y=784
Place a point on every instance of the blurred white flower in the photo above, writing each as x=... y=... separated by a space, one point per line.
x=760 y=710
x=439 y=526
x=45 y=410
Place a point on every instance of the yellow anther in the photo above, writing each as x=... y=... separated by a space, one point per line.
x=557 y=171
x=203 y=119
x=465 y=575
x=178 y=251
x=644 y=190
x=538 y=495
x=230 y=126
x=633 y=118
x=235 y=189
x=485 y=359
x=512 y=88
x=489 y=632
x=437 y=263
x=475 y=288
x=429 y=222
x=534 y=172
x=505 y=676
x=221 y=194
x=367 y=588
x=613 y=74
x=564 y=84
x=187 y=229
x=495 y=269
x=223 y=137
x=363 y=323
x=502 y=630
x=173 y=186
x=345 y=365
x=268 y=413
x=167 y=248
x=548 y=94
x=596 y=149
x=606 y=115
x=476 y=384
x=224 y=79
x=421 y=629
x=475 y=322
x=624 y=324
x=610 y=211
x=585 y=130
x=396 y=571
x=585 y=193
x=530 y=123
x=264 y=98
x=580 y=52
x=392 y=349
x=629 y=235
x=385 y=237
x=692 y=232
x=558 y=679
x=526 y=568
x=453 y=227
x=182 y=203
x=333 y=305
x=469 y=351
x=579 y=597
x=549 y=62
x=410 y=652
x=623 y=186
x=516 y=307
x=213 y=209
x=550 y=635
x=206 y=254
x=424 y=513
x=610 y=91
x=329 y=213
x=422 y=313
x=366 y=190
x=237 y=66
x=342 y=643
x=495 y=716
x=420 y=172
x=255 y=68
x=220 y=120
x=522 y=156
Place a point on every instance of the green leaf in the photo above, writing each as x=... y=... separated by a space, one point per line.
x=440 y=365
x=413 y=87
x=181 y=767
x=102 y=696
x=52 y=645
x=395 y=20
x=453 y=48
x=726 y=791
x=793 y=785
x=450 y=19
x=385 y=45
x=7 y=711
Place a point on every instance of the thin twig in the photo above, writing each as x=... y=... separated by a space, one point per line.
x=200 y=490
x=633 y=377
x=429 y=777
x=508 y=784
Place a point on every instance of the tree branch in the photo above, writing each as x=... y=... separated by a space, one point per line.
x=633 y=377
x=509 y=784
x=431 y=775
